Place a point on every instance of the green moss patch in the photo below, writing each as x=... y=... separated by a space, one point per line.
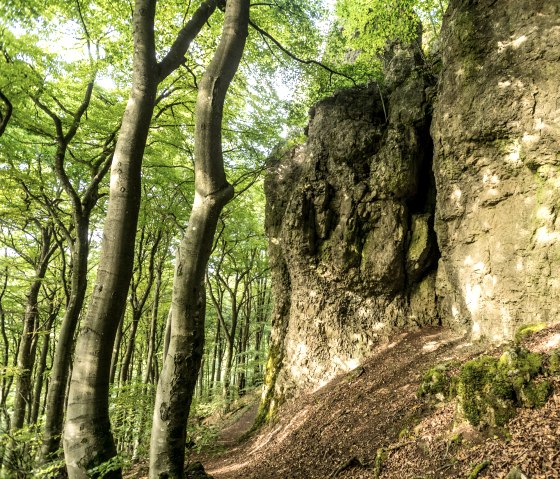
x=438 y=381
x=489 y=390
x=527 y=330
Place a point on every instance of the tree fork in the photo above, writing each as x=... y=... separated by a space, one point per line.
x=88 y=441
x=212 y=192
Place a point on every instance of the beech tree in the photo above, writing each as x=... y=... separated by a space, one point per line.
x=212 y=192
x=88 y=441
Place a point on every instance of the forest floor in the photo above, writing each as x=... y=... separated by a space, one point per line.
x=370 y=423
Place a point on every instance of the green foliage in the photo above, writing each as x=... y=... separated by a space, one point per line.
x=116 y=463
x=131 y=414
x=20 y=448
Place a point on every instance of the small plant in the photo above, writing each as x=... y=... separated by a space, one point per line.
x=103 y=469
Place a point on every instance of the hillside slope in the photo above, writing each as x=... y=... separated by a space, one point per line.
x=338 y=430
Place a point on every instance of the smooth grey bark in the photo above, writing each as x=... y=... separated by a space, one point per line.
x=212 y=192
x=82 y=206
x=88 y=441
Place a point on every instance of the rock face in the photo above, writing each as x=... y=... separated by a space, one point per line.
x=363 y=240
x=496 y=133
x=350 y=224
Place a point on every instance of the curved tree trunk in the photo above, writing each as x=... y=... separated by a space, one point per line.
x=182 y=362
x=56 y=396
x=88 y=441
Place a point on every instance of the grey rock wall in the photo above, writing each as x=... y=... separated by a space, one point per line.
x=496 y=132
x=364 y=240
x=350 y=224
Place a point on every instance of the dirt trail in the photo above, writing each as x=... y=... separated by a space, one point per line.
x=349 y=418
x=231 y=435
x=337 y=431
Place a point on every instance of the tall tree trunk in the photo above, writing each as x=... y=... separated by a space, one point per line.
x=88 y=441
x=180 y=369
x=56 y=397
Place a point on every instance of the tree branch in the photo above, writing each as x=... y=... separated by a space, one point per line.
x=176 y=55
x=4 y=119
x=298 y=59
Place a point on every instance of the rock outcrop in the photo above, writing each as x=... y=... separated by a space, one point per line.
x=350 y=224
x=496 y=134
x=363 y=240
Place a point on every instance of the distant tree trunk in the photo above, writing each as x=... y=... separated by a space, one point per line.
x=82 y=206
x=6 y=383
x=42 y=366
x=137 y=302
x=153 y=327
x=213 y=379
x=212 y=192
x=26 y=358
x=56 y=397
x=116 y=350
x=244 y=341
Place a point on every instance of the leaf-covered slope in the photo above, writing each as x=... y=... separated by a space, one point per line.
x=371 y=421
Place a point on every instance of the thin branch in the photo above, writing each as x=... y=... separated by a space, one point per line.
x=298 y=59
x=4 y=119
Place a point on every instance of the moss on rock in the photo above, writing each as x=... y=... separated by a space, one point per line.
x=438 y=381
x=553 y=366
x=489 y=389
x=527 y=330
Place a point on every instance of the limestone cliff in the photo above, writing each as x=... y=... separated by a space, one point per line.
x=357 y=223
x=350 y=224
x=496 y=133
